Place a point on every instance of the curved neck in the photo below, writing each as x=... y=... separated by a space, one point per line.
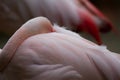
x=32 y=27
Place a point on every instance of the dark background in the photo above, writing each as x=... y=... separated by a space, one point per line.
x=111 y=8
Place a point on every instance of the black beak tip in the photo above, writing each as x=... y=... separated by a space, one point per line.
x=106 y=27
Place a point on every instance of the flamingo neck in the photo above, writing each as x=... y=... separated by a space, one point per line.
x=32 y=27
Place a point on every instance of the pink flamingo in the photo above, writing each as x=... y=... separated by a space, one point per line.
x=78 y=15
x=40 y=51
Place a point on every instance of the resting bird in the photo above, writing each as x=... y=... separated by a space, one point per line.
x=78 y=15
x=40 y=51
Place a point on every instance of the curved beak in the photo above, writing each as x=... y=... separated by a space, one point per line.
x=104 y=24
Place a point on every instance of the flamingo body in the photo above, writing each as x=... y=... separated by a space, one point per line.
x=52 y=53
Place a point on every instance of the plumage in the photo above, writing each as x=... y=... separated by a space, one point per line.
x=54 y=53
x=77 y=15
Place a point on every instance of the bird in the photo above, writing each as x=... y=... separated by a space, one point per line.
x=77 y=15
x=39 y=50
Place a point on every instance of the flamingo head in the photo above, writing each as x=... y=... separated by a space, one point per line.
x=92 y=20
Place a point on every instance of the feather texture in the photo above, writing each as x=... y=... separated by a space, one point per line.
x=58 y=55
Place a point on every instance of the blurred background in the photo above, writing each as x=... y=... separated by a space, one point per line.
x=111 y=8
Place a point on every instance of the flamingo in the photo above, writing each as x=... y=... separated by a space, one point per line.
x=78 y=15
x=42 y=51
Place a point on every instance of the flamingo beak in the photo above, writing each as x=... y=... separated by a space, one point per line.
x=105 y=25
